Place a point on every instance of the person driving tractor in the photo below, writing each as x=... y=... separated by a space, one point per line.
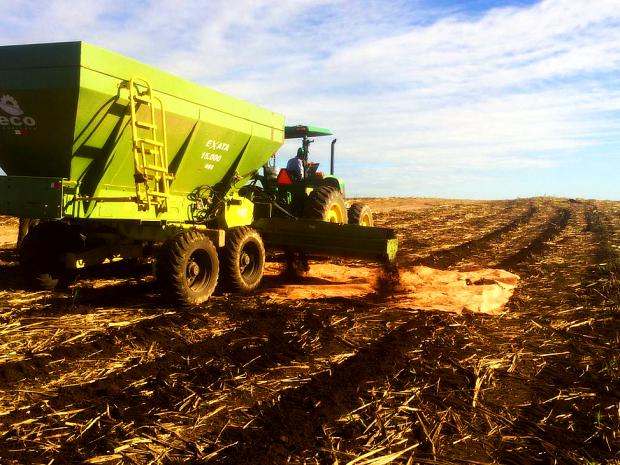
x=295 y=166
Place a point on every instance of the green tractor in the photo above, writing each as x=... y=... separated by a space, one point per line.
x=309 y=193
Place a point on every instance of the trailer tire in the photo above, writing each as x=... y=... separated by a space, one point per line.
x=326 y=203
x=242 y=261
x=360 y=214
x=187 y=268
x=24 y=226
x=41 y=254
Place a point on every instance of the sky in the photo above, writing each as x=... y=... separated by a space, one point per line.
x=476 y=99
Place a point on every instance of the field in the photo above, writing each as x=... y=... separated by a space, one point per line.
x=104 y=373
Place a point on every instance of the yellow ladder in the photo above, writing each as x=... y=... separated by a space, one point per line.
x=150 y=152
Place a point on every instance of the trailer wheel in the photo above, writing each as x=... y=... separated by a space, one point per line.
x=326 y=203
x=242 y=260
x=24 y=226
x=361 y=214
x=42 y=251
x=187 y=268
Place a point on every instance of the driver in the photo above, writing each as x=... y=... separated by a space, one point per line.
x=295 y=166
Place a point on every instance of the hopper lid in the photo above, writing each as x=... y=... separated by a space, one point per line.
x=299 y=131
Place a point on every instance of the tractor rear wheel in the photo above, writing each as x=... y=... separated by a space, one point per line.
x=187 y=268
x=361 y=214
x=42 y=253
x=326 y=203
x=242 y=261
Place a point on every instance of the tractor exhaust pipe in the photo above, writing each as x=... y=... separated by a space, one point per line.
x=331 y=163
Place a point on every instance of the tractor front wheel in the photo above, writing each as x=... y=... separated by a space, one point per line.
x=326 y=203
x=242 y=261
x=187 y=268
x=361 y=214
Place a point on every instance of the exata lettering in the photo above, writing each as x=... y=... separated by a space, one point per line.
x=16 y=120
x=217 y=145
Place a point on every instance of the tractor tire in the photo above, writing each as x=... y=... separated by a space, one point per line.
x=326 y=203
x=242 y=261
x=187 y=268
x=42 y=254
x=360 y=214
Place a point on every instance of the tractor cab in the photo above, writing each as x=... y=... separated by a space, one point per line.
x=294 y=185
x=311 y=177
x=313 y=195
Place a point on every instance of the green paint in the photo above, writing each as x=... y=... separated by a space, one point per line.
x=301 y=131
x=329 y=239
x=31 y=197
x=66 y=144
x=81 y=132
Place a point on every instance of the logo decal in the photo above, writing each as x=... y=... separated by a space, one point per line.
x=9 y=105
x=16 y=121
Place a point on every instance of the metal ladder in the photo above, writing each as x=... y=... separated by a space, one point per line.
x=149 y=148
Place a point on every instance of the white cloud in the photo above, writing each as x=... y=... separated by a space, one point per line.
x=404 y=85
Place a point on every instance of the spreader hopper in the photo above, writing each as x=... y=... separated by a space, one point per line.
x=114 y=132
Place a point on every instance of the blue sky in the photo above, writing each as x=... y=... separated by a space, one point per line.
x=469 y=99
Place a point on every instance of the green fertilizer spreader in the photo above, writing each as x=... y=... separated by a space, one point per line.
x=117 y=160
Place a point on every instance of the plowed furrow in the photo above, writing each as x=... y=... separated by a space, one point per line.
x=238 y=364
x=604 y=282
x=249 y=380
x=40 y=375
x=446 y=258
x=538 y=245
x=423 y=232
x=300 y=414
x=533 y=369
x=569 y=341
x=504 y=245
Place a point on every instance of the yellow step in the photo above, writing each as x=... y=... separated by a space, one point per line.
x=156 y=143
x=142 y=99
x=145 y=125
x=157 y=168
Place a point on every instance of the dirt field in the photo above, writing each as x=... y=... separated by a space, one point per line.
x=326 y=370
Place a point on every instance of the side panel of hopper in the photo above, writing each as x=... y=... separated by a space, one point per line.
x=65 y=114
x=207 y=133
x=38 y=99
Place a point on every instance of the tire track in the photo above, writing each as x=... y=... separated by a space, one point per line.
x=452 y=223
x=300 y=413
x=557 y=224
x=604 y=285
x=176 y=355
x=297 y=423
x=562 y=310
x=447 y=258
x=506 y=244
x=600 y=225
x=164 y=329
x=231 y=358
x=105 y=342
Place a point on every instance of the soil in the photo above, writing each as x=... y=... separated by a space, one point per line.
x=420 y=287
x=8 y=231
x=499 y=343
